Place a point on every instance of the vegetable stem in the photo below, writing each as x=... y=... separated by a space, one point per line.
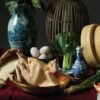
x=67 y=61
x=84 y=85
x=65 y=44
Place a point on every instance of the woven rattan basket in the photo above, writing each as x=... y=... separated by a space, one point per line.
x=65 y=15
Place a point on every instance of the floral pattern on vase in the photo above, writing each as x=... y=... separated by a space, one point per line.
x=22 y=32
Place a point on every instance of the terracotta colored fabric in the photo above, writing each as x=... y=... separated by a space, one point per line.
x=11 y=92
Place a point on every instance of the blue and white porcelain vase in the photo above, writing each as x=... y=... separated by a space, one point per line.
x=79 y=68
x=22 y=33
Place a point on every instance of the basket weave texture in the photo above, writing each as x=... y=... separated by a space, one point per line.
x=65 y=16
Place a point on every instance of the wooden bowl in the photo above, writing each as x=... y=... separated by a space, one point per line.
x=88 y=44
x=36 y=89
x=97 y=42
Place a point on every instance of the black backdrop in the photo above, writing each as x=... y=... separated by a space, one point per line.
x=93 y=7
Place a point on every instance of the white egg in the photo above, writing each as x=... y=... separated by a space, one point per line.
x=34 y=52
x=43 y=56
x=44 y=50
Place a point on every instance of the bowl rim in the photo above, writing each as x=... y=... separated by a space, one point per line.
x=37 y=86
x=35 y=89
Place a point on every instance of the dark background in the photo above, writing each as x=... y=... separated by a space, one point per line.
x=93 y=7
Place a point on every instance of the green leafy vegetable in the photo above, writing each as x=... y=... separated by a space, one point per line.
x=84 y=85
x=66 y=44
x=14 y=4
x=37 y=3
x=11 y=5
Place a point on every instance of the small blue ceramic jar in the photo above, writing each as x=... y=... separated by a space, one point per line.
x=79 y=68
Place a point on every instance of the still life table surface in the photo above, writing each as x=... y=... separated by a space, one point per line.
x=11 y=92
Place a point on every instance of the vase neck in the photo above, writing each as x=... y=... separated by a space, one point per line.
x=79 y=54
x=22 y=8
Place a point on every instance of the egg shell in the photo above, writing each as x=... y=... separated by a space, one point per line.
x=44 y=50
x=34 y=52
x=43 y=56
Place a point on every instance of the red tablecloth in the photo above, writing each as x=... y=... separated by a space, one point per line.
x=11 y=92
